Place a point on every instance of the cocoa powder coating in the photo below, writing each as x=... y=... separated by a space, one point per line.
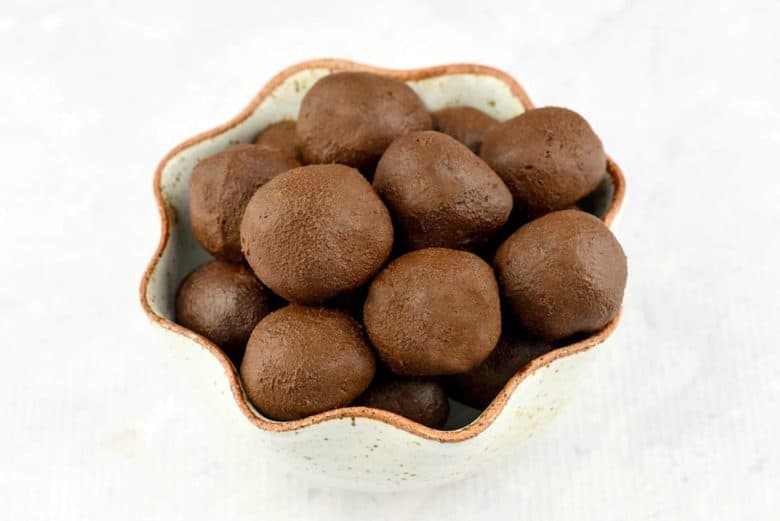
x=352 y=117
x=223 y=301
x=562 y=274
x=466 y=124
x=281 y=136
x=301 y=361
x=316 y=231
x=548 y=157
x=433 y=311
x=220 y=187
x=440 y=193
x=420 y=399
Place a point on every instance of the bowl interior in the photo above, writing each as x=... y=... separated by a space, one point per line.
x=487 y=90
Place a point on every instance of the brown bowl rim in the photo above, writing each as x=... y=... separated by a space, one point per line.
x=487 y=416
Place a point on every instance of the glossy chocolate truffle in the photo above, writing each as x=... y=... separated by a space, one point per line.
x=316 y=231
x=433 y=311
x=352 y=117
x=439 y=192
x=478 y=387
x=562 y=274
x=466 y=124
x=220 y=187
x=548 y=157
x=301 y=361
x=223 y=301
x=420 y=399
x=281 y=136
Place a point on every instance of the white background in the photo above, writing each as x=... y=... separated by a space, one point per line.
x=680 y=421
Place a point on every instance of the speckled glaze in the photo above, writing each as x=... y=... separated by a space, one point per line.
x=354 y=447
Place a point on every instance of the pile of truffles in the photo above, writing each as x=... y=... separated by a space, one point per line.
x=372 y=253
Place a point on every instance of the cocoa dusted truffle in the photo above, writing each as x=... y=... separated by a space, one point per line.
x=301 y=361
x=420 y=399
x=316 y=231
x=351 y=118
x=478 y=387
x=439 y=192
x=220 y=187
x=562 y=274
x=466 y=124
x=281 y=136
x=433 y=311
x=223 y=301
x=548 y=157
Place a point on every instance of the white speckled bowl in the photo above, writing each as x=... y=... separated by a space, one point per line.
x=354 y=447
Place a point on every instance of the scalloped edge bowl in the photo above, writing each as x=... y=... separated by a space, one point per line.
x=354 y=447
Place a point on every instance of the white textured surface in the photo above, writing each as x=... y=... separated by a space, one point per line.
x=679 y=420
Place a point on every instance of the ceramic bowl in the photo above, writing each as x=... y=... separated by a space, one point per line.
x=354 y=447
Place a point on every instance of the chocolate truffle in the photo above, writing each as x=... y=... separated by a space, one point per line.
x=420 y=399
x=478 y=387
x=316 y=231
x=548 y=157
x=433 y=311
x=220 y=187
x=351 y=118
x=282 y=137
x=223 y=301
x=466 y=124
x=439 y=192
x=562 y=274
x=301 y=361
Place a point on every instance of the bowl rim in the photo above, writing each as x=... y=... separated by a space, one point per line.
x=488 y=416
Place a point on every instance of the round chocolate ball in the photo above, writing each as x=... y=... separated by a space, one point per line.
x=316 y=231
x=466 y=124
x=282 y=137
x=220 y=187
x=420 y=399
x=352 y=117
x=548 y=157
x=562 y=274
x=433 y=311
x=301 y=361
x=440 y=193
x=478 y=387
x=223 y=301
